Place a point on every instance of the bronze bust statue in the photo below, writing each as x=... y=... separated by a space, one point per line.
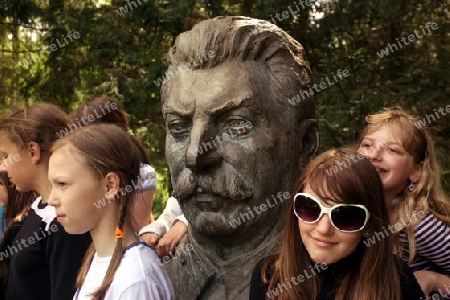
x=235 y=146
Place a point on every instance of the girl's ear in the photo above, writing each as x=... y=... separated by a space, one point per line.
x=112 y=183
x=35 y=152
x=416 y=173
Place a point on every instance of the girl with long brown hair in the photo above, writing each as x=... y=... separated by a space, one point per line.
x=44 y=259
x=166 y=232
x=94 y=173
x=401 y=148
x=322 y=254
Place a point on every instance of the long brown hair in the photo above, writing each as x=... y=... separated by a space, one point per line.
x=106 y=148
x=377 y=276
x=428 y=195
x=117 y=116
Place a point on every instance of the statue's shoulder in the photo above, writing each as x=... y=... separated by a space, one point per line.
x=175 y=262
x=183 y=271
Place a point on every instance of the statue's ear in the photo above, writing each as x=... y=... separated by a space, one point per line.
x=310 y=141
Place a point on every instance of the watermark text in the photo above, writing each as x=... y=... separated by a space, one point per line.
x=281 y=287
x=258 y=209
x=306 y=94
x=102 y=111
x=428 y=117
x=406 y=40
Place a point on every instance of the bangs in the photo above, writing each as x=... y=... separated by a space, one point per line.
x=341 y=187
x=327 y=190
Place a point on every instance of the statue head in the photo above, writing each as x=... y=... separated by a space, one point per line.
x=234 y=142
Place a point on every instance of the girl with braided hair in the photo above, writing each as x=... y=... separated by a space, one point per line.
x=110 y=111
x=94 y=172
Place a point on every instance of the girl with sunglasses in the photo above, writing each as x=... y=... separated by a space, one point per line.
x=322 y=254
x=403 y=153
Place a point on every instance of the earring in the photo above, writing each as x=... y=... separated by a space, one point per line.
x=366 y=233
x=411 y=186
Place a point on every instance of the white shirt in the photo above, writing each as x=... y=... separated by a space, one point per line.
x=147 y=178
x=139 y=276
x=171 y=213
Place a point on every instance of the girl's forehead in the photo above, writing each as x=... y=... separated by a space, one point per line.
x=6 y=144
x=322 y=193
x=390 y=132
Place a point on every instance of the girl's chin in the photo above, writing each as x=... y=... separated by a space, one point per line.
x=322 y=258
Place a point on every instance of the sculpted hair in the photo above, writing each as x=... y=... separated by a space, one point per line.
x=428 y=196
x=38 y=123
x=117 y=116
x=376 y=276
x=241 y=39
x=106 y=148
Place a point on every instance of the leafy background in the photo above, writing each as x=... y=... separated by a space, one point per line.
x=121 y=54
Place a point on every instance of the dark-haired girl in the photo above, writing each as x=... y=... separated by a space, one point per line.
x=44 y=259
x=323 y=254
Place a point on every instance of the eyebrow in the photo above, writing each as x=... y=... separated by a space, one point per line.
x=394 y=143
x=170 y=110
x=235 y=103
x=248 y=102
x=59 y=177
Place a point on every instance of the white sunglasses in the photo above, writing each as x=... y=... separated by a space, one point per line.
x=344 y=217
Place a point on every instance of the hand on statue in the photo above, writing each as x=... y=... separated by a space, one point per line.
x=171 y=239
x=150 y=238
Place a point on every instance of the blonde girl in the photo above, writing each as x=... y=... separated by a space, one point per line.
x=403 y=153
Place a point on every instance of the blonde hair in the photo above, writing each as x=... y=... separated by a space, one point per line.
x=428 y=195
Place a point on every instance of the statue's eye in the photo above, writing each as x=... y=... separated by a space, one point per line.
x=237 y=126
x=178 y=127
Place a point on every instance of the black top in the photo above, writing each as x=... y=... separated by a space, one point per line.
x=44 y=259
x=330 y=277
x=9 y=237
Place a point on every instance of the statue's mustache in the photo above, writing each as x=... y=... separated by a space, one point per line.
x=226 y=182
